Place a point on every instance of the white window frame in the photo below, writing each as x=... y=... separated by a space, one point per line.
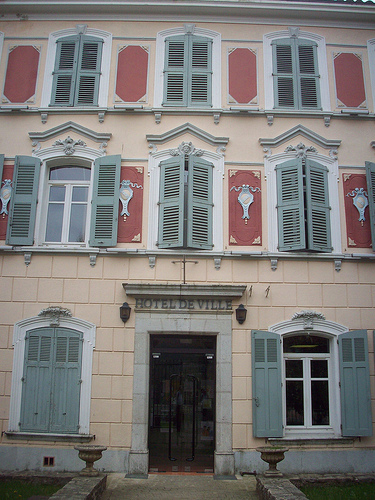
x=322 y=66
x=160 y=62
x=105 y=63
x=1 y=43
x=333 y=177
x=88 y=331
x=371 y=60
x=330 y=330
x=217 y=191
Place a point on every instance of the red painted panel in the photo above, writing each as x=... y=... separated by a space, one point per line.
x=7 y=174
x=358 y=232
x=242 y=75
x=130 y=226
x=132 y=65
x=350 y=86
x=21 y=75
x=245 y=231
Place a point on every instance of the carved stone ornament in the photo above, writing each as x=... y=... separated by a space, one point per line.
x=5 y=195
x=126 y=194
x=55 y=313
x=308 y=317
x=301 y=150
x=69 y=145
x=186 y=148
x=360 y=201
x=245 y=198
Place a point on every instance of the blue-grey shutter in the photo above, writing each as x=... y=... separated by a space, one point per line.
x=65 y=72
x=266 y=374
x=105 y=202
x=1 y=169
x=290 y=205
x=66 y=381
x=356 y=416
x=200 y=71
x=37 y=380
x=199 y=219
x=318 y=209
x=284 y=80
x=88 y=71
x=307 y=74
x=22 y=211
x=175 y=71
x=370 y=175
x=171 y=202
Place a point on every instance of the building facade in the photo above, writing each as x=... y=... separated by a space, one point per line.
x=209 y=167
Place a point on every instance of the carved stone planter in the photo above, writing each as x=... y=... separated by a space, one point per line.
x=89 y=453
x=272 y=455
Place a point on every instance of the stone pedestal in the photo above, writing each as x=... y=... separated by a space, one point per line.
x=272 y=455
x=89 y=453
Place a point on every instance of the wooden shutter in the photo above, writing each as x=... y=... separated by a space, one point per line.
x=1 y=169
x=175 y=74
x=290 y=205
x=65 y=73
x=88 y=73
x=370 y=175
x=318 y=209
x=199 y=206
x=308 y=74
x=171 y=202
x=37 y=379
x=105 y=201
x=356 y=416
x=266 y=374
x=285 y=88
x=200 y=72
x=66 y=381
x=22 y=209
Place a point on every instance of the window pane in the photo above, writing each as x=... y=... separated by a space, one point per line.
x=319 y=402
x=57 y=193
x=68 y=173
x=305 y=344
x=319 y=368
x=54 y=221
x=294 y=402
x=80 y=193
x=293 y=368
x=77 y=223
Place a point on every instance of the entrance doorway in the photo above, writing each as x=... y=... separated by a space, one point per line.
x=182 y=403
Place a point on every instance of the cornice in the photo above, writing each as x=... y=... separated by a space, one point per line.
x=187 y=290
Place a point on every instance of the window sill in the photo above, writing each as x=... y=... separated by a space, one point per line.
x=311 y=441
x=41 y=436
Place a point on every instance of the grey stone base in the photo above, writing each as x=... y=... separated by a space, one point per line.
x=224 y=464
x=138 y=463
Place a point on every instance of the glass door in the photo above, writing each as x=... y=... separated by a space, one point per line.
x=182 y=404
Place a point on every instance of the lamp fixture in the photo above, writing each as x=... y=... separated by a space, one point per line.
x=241 y=312
x=125 y=312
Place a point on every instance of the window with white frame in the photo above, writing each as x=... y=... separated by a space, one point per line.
x=188 y=61
x=51 y=380
x=77 y=68
x=295 y=69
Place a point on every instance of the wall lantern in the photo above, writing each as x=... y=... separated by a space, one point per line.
x=241 y=312
x=125 y=312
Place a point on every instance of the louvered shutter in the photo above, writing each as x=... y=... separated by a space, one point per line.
x=105 y=201
x=66 y=381
x=175 y=74
x=285 y=85
x=22 y=209
x=88 y=72
x=37 y=379
x=200 y=72
x=199 y=221
x=308 y=74
x=266 y=375
x=356 y=416
x=65 y=73
x=370 y=175
x=318 y=209
x=1 y=169
x=290 y=205
x=171 y=202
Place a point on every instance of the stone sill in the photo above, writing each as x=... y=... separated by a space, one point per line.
x=41 y=436
x=311 y=442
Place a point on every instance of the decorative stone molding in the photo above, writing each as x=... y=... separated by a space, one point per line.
x=274 y=264
x=69 y=144
x=54 y=314
x=327 y=121
x=93 y=259
x=216 y=118
x=217 y=262
x=186 y=148
x=301 y=150
x=27 y=257
x=5 y=195
x=308 y=317
x=308 y=134
x=338 y=265
x=157 y=118
x=270 y=120
x=152 y=261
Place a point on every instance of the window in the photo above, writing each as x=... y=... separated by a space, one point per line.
x=296 y=382
x=76 y=207
x=188 y=72
x=296 y=76
x=370 y=174
x=303 y=206
x=77 y=71
x=52 y=368
x=185 y=205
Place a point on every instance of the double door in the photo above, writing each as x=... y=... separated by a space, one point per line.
x=182 y=404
